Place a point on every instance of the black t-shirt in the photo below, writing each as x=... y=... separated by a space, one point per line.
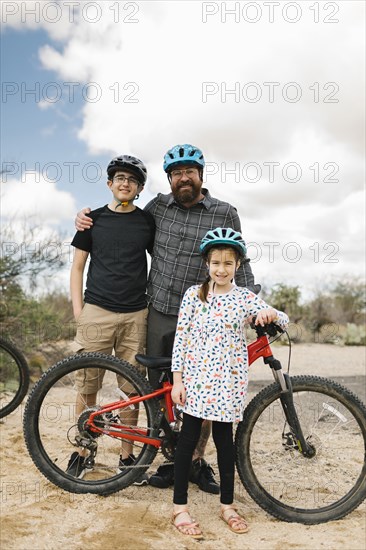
x=117 y=243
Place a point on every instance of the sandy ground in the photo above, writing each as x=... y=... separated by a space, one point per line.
x=37 y=515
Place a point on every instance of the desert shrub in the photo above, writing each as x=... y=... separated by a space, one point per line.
x=25 y=260
x=355 y=335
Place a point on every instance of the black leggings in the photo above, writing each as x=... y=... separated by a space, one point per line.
x=222 y=433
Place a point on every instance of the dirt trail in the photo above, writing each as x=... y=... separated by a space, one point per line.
x=38 y=515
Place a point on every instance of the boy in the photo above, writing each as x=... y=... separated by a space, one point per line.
x=115 y=295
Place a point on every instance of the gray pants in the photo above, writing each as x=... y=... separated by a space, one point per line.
x=160 y=338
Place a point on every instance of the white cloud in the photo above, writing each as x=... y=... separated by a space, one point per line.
x=33 y=210
x=44 y=105
x=35 y=196
x=167 y=67
x=150 y=75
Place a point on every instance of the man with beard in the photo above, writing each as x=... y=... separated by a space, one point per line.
x=182 y=218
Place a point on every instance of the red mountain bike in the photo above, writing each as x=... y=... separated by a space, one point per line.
x=300 y=448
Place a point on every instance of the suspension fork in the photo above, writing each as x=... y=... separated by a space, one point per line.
x=287 y=402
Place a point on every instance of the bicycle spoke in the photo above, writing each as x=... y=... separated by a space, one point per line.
x=59 y=412
x=61 y=422
x=334 y=478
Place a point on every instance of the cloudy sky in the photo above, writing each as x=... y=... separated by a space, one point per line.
x=272 y=92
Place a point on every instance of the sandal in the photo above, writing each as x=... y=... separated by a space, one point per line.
x=184 y=526
x=236 y=523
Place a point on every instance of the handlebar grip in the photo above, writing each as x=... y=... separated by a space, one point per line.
x=271 y=328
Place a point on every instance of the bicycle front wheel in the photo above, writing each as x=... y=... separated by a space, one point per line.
x=56 y=421
x=14 y=377
x=279 y=478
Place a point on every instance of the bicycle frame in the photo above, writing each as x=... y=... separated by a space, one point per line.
x=136 y=433
x=259 y=348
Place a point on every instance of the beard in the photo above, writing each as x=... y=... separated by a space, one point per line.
x=186 y=195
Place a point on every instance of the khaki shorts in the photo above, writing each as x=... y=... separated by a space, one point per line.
x=105 y=331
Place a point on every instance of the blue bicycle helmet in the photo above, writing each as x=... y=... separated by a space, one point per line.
x=129 y=163
x=223 y=235
x=183 y=154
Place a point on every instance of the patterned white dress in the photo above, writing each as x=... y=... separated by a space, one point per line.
x=211 y=352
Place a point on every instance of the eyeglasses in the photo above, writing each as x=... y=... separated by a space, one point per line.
x=121 y=179
x=189 y=172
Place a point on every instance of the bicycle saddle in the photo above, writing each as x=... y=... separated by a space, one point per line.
x=158 y=363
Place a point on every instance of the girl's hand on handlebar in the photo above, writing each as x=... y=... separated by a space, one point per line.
x=266 y=316
x=178 y=393
x=82 y=221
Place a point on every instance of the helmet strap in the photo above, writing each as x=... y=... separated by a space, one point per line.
x=125 y=203
x=121 y=203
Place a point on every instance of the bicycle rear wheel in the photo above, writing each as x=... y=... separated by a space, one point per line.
x=279 y=478
x=53 y=422
x=14 y=377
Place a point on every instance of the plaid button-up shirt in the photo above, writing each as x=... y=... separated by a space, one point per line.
x=176 y=262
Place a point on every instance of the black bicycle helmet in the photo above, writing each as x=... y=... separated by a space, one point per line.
x=129 y=163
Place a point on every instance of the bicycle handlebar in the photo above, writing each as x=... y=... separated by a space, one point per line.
x=271 y=328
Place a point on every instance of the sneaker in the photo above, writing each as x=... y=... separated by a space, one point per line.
x=123 y=463
x=164 y=476
x=76 y=466
x=203 y=475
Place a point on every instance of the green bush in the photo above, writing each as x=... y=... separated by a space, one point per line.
x=355 y=335
x=31 y=322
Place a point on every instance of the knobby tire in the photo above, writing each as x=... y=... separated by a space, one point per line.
x=50 y=420
x=14 y=377
x=279 y=478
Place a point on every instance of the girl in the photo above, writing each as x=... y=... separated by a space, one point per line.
x=210 y=370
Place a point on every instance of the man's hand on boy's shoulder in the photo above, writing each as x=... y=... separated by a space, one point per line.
x=82 y=221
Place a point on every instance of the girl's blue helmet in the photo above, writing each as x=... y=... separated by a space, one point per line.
x=223 y=235
x=183 y=154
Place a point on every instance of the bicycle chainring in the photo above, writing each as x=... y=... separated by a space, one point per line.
x=168 y=447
